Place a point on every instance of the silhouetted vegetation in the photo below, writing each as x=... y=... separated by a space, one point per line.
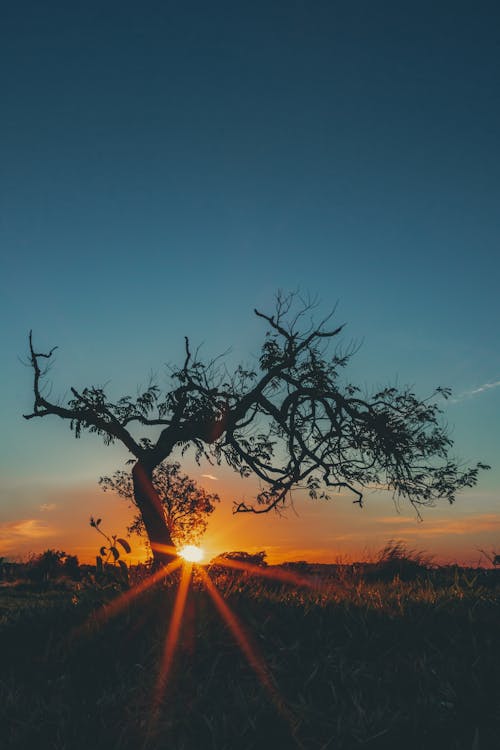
x=397 y=560
x=357 y=664
x=291 y=422
x=109 y=565
x=253 y=558
x=186 y=505
x=51 y=565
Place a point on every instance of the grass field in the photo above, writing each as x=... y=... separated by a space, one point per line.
x=347 y=663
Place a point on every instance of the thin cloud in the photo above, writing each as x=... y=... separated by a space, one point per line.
x=406 y=528
x=29 y=527
x=14 y=533
x=396 y=520
x=461 y=527
x=476 y=391
x=47 y=507
x=210 y=476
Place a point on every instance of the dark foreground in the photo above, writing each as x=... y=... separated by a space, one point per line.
x=360 y=665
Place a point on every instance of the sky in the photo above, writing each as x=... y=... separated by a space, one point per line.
x=167 y=167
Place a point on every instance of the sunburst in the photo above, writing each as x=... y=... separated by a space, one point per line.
x=186 y=561
x=191 y=553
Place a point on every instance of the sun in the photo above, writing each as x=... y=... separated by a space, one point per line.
x=188 y=555
x=192 y=553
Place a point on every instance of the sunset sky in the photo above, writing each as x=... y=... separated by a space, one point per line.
x=167 y=167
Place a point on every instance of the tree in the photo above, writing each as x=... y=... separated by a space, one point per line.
x=53 y=564
x=186 y=505
x=257 y=559
x=292 y=422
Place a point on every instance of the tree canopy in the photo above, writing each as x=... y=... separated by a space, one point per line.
x=187 y=506
x=293 y=421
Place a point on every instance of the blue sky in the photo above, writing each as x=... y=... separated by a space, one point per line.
x=167 y=167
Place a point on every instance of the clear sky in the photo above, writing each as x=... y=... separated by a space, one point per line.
x=165 y=167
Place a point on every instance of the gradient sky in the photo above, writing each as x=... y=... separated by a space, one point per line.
x=166 y=167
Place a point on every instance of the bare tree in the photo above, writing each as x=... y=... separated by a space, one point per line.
x=186 y=505
x=292 y=422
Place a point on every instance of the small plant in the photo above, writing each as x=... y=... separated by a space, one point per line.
x=493 y=557
x=109 y=555
x=396 y=559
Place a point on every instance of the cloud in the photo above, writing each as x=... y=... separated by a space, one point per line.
x=408 y=529
x=48 y=506
x=395 y=520
x=472 y=524
x=476 y=391
x=210 y=476
x=15 y=533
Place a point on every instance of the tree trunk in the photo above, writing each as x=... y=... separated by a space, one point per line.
x=153 y=515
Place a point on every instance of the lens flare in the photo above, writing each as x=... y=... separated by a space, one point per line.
x=255 y=660
x=172 y=635
x=191 y=553
x=99 y=617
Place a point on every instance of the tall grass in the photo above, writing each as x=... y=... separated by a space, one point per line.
x=358 y=664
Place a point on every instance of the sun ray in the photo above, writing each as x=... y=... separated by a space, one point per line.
x=172 y=635
x=165 y=548
x=254 y=659
x=285 y=576
x=113 y=608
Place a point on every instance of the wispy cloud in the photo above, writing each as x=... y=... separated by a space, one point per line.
x=409 y=529
x=14 y=533
x=46 y=507
x=470 y=525
x=395 y=520
x=476 y=391
x=210 y=476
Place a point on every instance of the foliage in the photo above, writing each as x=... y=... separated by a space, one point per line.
x=298 y=566
x=292 y=422
x=52 y=564
x=186 y=504
x=109 y=556
x=255 y=558
x=493 y=557
x=396 y=559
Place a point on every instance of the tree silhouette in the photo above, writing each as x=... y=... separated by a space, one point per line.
x=291 y=422
x=186 y=505
x=257 y=559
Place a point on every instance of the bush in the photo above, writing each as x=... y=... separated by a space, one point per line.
x=51 y=565
x=396 y=560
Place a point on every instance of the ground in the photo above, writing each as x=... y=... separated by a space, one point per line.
x=341 y=663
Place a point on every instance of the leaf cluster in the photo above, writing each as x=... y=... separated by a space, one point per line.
x=293 y=422
x=186 y=505
x=110 y=554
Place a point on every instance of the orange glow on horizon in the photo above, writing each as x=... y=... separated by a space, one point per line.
x=323 y=533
